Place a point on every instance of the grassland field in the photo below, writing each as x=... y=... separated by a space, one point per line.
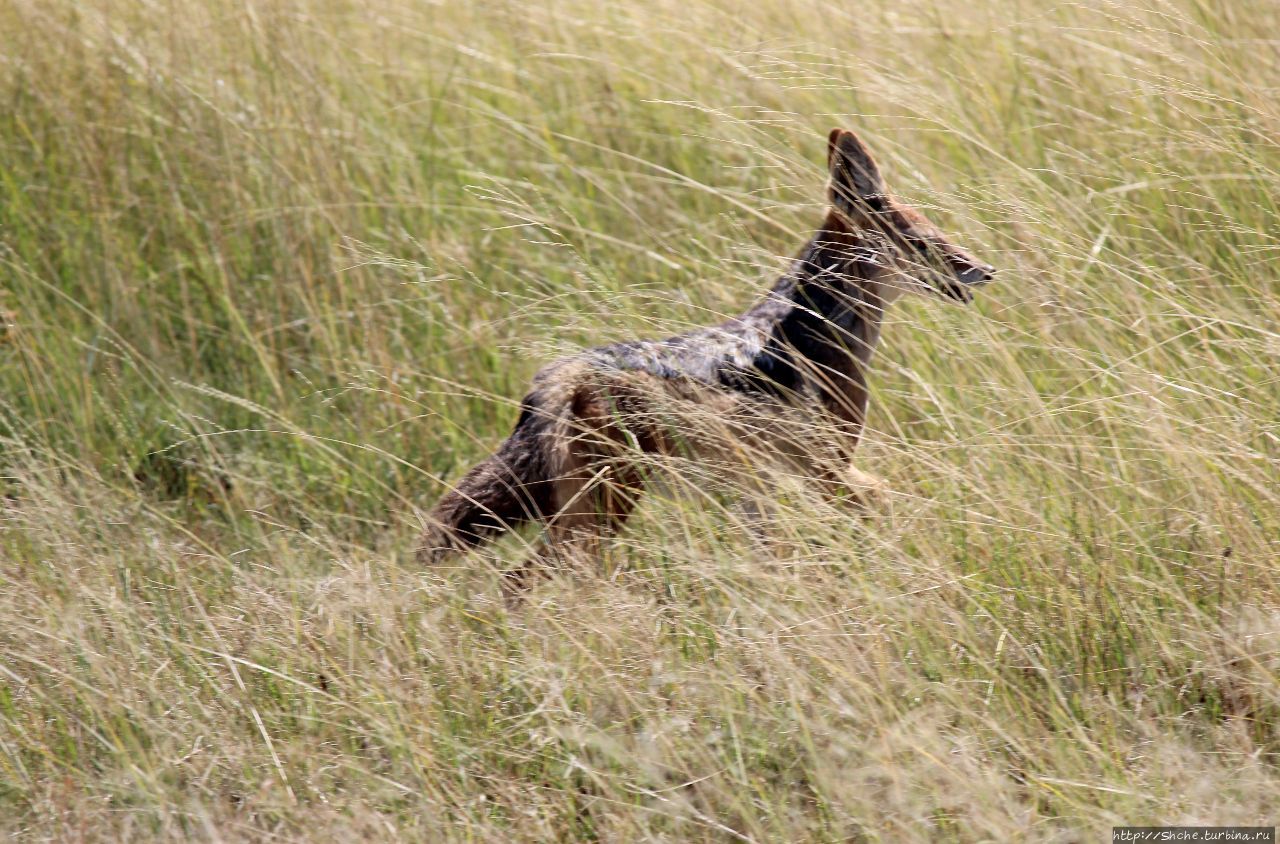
x=274 y=272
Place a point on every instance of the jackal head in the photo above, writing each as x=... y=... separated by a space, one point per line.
x=913 y=254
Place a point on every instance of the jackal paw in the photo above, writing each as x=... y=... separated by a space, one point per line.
x=864 y=489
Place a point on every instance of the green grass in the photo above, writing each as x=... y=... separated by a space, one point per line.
x=273 y=273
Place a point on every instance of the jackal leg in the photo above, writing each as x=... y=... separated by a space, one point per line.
x=593 y=505
x=829 y=468
x=847 y=483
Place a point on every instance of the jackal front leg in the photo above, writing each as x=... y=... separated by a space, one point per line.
x=848 y=484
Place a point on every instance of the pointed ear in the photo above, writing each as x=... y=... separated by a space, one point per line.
x=856 y=183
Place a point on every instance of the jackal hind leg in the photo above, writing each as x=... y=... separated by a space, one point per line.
x=598 y=486
x=595 y=508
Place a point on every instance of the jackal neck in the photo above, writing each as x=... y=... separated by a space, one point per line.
x=832 y=305
x=835 y=289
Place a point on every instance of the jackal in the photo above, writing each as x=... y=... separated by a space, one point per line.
x=574 y=460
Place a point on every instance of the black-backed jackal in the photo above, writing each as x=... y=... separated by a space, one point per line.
x=575 y=457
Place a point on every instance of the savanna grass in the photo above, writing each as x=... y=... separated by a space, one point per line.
x=273 y=273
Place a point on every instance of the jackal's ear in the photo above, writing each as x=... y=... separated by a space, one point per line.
x=856 y=183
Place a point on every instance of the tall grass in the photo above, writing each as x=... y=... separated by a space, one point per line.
x=273 y=273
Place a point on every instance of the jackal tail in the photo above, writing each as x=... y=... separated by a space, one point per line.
x=507 y=489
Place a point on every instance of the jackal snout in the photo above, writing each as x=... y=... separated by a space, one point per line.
x=962 y=273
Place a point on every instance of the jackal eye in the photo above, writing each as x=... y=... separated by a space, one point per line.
x=877 y=202
x=932 y=249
